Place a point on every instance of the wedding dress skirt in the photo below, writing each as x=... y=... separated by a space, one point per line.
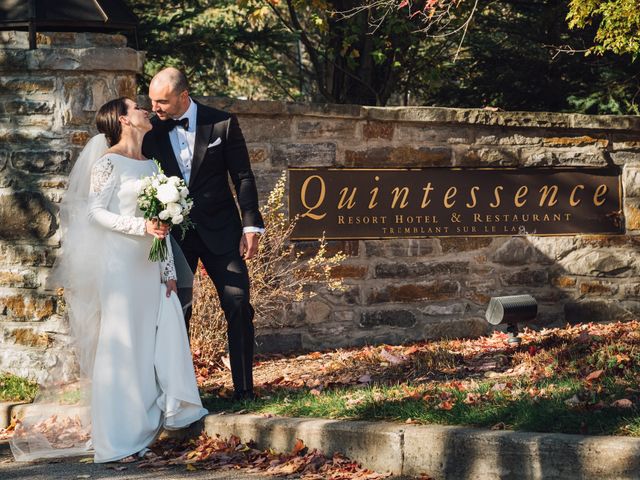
x=143 y=376
x=143 y=379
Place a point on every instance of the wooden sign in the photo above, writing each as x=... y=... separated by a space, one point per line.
x=413 y=203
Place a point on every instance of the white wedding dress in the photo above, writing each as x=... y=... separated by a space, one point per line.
x=143 y=376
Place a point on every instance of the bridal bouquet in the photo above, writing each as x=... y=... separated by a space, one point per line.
x=164 y=199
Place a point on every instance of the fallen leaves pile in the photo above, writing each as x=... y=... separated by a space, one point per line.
x=215 y=453
x=436 y=370
x=59 y=431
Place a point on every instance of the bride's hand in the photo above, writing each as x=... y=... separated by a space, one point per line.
x=157 y=229
x=172 y=286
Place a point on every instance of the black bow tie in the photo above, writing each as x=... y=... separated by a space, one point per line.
x=183 y=122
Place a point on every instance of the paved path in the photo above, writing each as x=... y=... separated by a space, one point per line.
x=72 y=469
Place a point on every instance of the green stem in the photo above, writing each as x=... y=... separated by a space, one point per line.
x=158 y=251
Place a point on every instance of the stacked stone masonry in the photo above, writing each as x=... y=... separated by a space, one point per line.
x=48 y=101
x=399 y=290
x=396 y=290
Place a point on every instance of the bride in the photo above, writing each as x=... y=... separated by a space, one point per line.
x=124 y=313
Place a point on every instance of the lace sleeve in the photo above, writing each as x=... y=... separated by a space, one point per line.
x=168 y=266
x=101 y=175
x=103 y=184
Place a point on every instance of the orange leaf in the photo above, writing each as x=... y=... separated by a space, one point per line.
x=297 y=447
x=622 y=403
x=594 y=375
x=411 y=350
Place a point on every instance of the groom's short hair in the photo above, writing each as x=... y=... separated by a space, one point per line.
x=180 y=83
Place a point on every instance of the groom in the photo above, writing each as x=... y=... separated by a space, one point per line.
x=205 y=146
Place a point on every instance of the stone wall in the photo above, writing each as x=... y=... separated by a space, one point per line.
x=413 y=289
x=48 y=100
x=397 y=290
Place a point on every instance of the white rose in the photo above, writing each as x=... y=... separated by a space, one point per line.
x=177 y=219
x=174 y=209
x=184 y=192
x=167 y=193
x=175 y=181
x=163 y=215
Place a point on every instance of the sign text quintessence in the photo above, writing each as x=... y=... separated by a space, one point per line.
x=376 y=203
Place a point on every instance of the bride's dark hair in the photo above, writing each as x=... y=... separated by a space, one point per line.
x=107 y=119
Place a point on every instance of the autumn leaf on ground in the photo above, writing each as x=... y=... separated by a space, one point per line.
x=446 y=405
x=390 y=357
x=298 y=447
x=622 y=403
x=411 y=350
x=117 y=468
x=472 y=398
x=593 y=376
x=412 y=393
x=353 y=402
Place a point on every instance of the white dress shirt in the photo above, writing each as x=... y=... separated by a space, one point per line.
x=183 y=143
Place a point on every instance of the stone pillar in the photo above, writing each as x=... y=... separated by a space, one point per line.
x=49 y=97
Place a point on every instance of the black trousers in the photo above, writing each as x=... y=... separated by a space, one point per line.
x=231 y=280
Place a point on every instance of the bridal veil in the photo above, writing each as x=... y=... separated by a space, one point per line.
x=59 y=422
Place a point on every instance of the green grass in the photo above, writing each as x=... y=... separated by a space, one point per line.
x=512 y=408
x=14 y=388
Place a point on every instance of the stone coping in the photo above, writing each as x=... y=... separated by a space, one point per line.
x=20 y=39
x=429 y=115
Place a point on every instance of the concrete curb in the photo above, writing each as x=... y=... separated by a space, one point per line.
x=7 y=410
x=377 y=445
x=444 y=452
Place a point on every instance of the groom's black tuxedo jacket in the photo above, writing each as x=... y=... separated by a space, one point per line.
x=220 y=151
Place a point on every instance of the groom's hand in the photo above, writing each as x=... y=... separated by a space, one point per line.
x=249 y=245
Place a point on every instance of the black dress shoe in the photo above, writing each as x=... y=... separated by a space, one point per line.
x=244 y=395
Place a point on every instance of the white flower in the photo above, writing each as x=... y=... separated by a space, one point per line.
x=167 y=193
x=163 y=215
x=174 y=209
x=184 y=192
x=177 y=219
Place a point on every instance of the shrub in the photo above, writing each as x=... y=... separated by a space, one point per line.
x=279 y=276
